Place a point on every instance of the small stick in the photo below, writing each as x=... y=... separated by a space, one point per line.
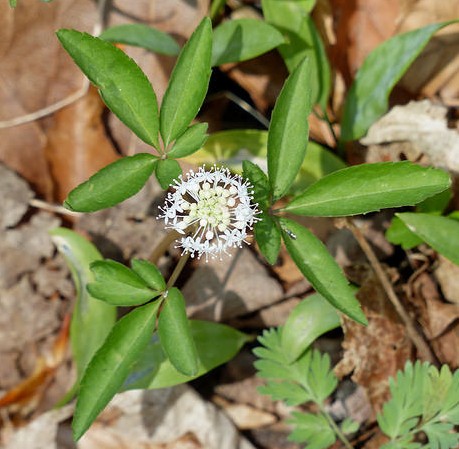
x=423 y=348
x=43 y=205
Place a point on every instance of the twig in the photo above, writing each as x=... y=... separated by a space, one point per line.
x=422 y=347
x=40 y=204
x=48 y=110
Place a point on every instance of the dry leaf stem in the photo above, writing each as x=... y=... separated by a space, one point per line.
x=422 y=347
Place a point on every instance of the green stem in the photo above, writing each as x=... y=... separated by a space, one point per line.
x=335 y=428
x=177 y=270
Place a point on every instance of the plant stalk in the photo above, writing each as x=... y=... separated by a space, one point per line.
x=336 y=429
x=422 y=347
x=177 y=270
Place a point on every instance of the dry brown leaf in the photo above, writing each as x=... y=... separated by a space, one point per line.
x=440 y=321
x=436 y=70
x=447 y=276
x=244 y=416
x=262 y=78
x=35 y=73
x=416 y=130
x=26 y=395
x=77 y=144
x=360 y=26
x=375 y=352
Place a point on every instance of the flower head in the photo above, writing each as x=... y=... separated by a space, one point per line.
x=212 y=209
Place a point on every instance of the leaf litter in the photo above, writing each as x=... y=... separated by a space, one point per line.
x=131 y=230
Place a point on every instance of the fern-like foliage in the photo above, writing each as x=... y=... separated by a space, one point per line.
x=308 y=379
x=424 y=400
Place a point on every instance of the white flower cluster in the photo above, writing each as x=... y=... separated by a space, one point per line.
x=212 y=209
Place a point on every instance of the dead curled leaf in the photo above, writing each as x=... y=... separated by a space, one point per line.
x=31 y=390
x=35 y=73
x=439 y=320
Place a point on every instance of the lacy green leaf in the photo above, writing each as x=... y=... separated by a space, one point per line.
x=311 y=429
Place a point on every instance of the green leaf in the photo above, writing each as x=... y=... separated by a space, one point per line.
x=368 y=97
x=111 y=365
x=260 y=183
x=311 y=318
x=319 y=267
x=118 y=285
x=139 y=35
x=236 y=146
x=188 y=84
x=318 y=163
x=349 y=426
x=399 y=234
x=149 y=273
x=312 y=429
x=215 y=8
x=268 y=237
x=369 y=187
x=175 y=334
x=13 y=3
x=289 y=130
x=92 y=320
x=441 y=233
x=113 y=184
x=166 y=171
x=241 y=39
x=122 y=85
x=292 y=18
x=215 y=344
x=435 y=204
x=190 y=141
